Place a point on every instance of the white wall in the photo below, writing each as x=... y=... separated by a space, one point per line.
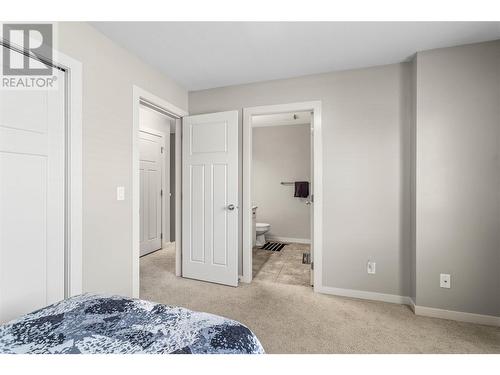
x=109 y=73
x=458 y=177
x=365 y=180
x=281 y=153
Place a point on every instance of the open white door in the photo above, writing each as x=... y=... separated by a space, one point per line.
x=210 y=197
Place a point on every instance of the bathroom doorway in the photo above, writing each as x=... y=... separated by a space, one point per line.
x=281 y=199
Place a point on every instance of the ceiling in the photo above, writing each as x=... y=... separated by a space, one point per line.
x=201 y=55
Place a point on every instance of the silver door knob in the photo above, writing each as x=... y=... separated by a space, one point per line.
x=230 y=207
x=308 y=202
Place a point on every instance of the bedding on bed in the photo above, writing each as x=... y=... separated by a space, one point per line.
x=92 y=324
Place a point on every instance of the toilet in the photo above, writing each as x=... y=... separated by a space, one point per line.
x=260 y=230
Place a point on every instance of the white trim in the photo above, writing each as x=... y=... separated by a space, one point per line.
x=412 y=304
x=289 y=239
x=178 y=195
x=361 y=294
x=74 y=107
x=432 y=312
x=139 y=93
x=315 y=107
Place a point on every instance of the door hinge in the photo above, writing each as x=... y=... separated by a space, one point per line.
x=161 y=235
x=162 y=149
x=161 y=193
x=312 y=266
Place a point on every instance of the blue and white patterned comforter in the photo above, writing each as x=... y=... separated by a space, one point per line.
x=92 y=323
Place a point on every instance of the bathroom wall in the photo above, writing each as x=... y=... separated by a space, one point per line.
x=281 y=153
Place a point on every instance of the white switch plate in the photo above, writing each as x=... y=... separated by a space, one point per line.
x=371 y=267
x=120 y=193
x=445 y=280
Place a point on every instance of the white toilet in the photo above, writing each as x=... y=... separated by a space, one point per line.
x=260 y=230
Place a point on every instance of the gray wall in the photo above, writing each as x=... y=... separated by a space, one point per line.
x=109 y=72
x=281 y=153
x=458 y=178
x=366 y=190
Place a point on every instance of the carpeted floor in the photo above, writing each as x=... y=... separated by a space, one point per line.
x=293 y=319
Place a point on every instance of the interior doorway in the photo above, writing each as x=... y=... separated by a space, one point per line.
x=156 y=181
x=312 y=200
x=281 y=197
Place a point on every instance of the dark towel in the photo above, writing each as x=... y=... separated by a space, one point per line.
x=301 y=189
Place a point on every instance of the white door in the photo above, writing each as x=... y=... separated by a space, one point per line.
x=210 y=197
x=32 y=198
x=150 y=166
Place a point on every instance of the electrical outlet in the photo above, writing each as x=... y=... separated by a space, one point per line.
x=445 y=280
x=370 y=267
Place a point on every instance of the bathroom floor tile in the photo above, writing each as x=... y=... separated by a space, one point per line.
x=284 y=267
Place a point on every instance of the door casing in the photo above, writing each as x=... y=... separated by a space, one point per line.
x=316 y=235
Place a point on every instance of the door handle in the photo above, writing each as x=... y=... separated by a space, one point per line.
x=308 y=202
x=231 y=207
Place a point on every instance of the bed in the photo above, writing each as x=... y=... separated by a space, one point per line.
x=100 y=324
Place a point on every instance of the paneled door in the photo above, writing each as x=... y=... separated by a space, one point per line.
x=210 y=197
x=150 y=148
x=32 y=198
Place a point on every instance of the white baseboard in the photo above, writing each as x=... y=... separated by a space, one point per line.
x=432 y=312
x=289 y=239
x=391 y=298
x=412 y=304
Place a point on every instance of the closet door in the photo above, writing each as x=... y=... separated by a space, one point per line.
x=32 y=198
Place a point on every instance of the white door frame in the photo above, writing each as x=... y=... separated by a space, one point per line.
x=315 y=107
x=73 y=261
x=74 y=254
x=138 y=95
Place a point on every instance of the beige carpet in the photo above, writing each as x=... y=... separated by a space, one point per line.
x=293 y=319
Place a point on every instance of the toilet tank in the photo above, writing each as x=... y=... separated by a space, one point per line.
x=254 y=224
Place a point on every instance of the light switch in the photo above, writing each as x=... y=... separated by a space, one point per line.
x=120 y=193
x=371 y=267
